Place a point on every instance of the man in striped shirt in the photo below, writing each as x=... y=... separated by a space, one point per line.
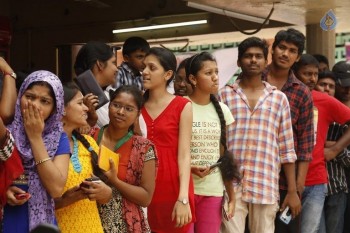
x=261 y=138
x=129 y=72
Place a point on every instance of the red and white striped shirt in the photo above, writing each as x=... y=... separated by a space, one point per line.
x=261 y=140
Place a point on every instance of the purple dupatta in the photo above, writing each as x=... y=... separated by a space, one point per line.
x=41 y=205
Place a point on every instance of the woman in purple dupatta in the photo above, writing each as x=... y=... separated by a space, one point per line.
x=44 y=150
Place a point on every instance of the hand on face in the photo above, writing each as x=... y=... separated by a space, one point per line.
x=37 y=104
x=32 y=119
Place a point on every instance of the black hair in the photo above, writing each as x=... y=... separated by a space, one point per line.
x=290 y=35
x=132 y=90
x=166 y=59
x=195 y=63
x=327 y=74
x=228 y=167
x=94 y=157
x=252 y=42
x=182 y=64
x=90 y=53
x=135 y=43
x=70 y=90
x=305 y=59
x=321 y=59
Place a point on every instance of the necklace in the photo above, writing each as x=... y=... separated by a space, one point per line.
x=74 y=158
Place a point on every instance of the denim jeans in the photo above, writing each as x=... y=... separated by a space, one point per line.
x=333 y=214
x=312 y=207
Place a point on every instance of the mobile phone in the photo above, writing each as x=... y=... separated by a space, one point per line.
x=21 y=196
x=286 y=216
x=93 y=179
x=214 y=165
x=90 y=179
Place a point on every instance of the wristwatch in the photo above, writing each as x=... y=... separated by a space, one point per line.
x=13 y=74
x=183 y=201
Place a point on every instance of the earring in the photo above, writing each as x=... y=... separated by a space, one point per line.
x=64 y=113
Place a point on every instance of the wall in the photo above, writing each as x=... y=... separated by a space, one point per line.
x=4 y=8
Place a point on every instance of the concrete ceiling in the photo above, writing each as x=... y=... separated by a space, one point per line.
x=41 y=25
x=298 y=12
x=43 y=14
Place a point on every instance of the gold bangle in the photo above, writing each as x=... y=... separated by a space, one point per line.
x=42 y=161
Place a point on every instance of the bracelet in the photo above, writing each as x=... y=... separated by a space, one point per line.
x=8 y=147
x=42 y=161
x=12 y=74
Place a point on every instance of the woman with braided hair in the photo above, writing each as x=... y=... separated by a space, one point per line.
x=76 y=210
x=208 y=145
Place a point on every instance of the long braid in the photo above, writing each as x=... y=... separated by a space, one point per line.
x=228 y=167
x=222 y=120
x=94 y=157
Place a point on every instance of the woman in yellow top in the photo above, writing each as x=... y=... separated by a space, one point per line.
x=76 y=210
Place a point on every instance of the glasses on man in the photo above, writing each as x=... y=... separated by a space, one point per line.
x=119 y=106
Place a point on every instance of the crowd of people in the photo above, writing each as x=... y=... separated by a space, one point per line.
x=266 y=154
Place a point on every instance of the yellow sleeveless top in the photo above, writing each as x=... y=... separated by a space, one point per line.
x=81 y=216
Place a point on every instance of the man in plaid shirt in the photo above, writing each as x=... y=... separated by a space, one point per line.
x=286 y=50
x=261 y=138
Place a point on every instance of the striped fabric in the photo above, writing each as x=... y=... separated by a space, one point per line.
x=7 y=148
x=301 y=107
x=335 y=167
x=261 y=140
x=125 y=76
